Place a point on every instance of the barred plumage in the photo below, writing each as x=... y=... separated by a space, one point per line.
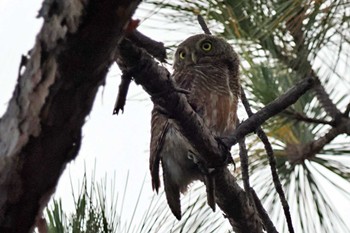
x=208 y=67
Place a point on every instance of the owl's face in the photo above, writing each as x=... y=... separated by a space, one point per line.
x=201 y=49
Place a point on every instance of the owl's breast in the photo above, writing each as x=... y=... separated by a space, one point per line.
x=215 y=100
x=219 y=113
x=213 y=95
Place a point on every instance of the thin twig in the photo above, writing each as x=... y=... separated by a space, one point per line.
x=300 y=117
x=203 y=25
x=273 y=108
x=122 y=93
x=270 y=228
x=154 y=48
x=275 y=178
x=272 y=161
x=325 y=99
x=347 y=111
x=243 y=155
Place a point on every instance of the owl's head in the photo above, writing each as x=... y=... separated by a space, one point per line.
x=202 y=49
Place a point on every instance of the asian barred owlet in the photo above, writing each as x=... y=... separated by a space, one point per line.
x=208 y=68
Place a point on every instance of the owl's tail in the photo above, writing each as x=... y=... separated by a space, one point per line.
x=172 y=193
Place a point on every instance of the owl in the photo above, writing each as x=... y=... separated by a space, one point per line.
x=208 y=68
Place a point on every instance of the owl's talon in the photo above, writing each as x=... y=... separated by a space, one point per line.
x=182 y=90
x=194 y=158
x=162 y=111
x=228 y=157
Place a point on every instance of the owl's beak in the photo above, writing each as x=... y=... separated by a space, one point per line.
x=194 y=58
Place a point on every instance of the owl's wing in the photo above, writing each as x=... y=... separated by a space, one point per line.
x=183 y=81
x=159 y=127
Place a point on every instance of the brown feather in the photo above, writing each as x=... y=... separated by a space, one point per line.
x=172 y=192
x=212 y=80
x=159 y=124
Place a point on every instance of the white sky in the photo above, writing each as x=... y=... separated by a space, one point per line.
x=112 y=144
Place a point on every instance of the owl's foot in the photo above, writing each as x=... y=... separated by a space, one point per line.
x=208 y=178
x=228 y=157
x=161 y=110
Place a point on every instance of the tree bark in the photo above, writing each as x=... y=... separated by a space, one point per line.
x=41 y=129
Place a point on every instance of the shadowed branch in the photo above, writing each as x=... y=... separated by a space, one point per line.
x=157 y=83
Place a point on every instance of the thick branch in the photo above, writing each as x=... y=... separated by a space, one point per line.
x=155 y=48
x=156 y=81
x=235 y=203
x=41 y=129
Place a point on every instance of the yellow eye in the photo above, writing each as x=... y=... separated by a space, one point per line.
x=206 y=46
x=182 y=55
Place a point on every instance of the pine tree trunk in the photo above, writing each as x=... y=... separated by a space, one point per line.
x=41 y=129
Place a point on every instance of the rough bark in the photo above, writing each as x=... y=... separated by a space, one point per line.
x=41 y=129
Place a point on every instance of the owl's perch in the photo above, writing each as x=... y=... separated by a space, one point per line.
x=164 y=93
x=156 y=82
x=270 y=110
x=272 y=161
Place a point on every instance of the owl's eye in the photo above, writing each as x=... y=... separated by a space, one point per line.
x=206 y=46
x=182 y=55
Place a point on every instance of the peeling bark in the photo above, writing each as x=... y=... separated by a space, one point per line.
x=41 y=129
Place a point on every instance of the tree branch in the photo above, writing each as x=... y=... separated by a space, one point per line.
x=157 y=83
x=41 y=129
x=270 y=228
x=155 y=48
x=276 y=106
x=122 y=93
x=297 y=153
x=273 y=168
x=325 y=100
x=300 y=117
